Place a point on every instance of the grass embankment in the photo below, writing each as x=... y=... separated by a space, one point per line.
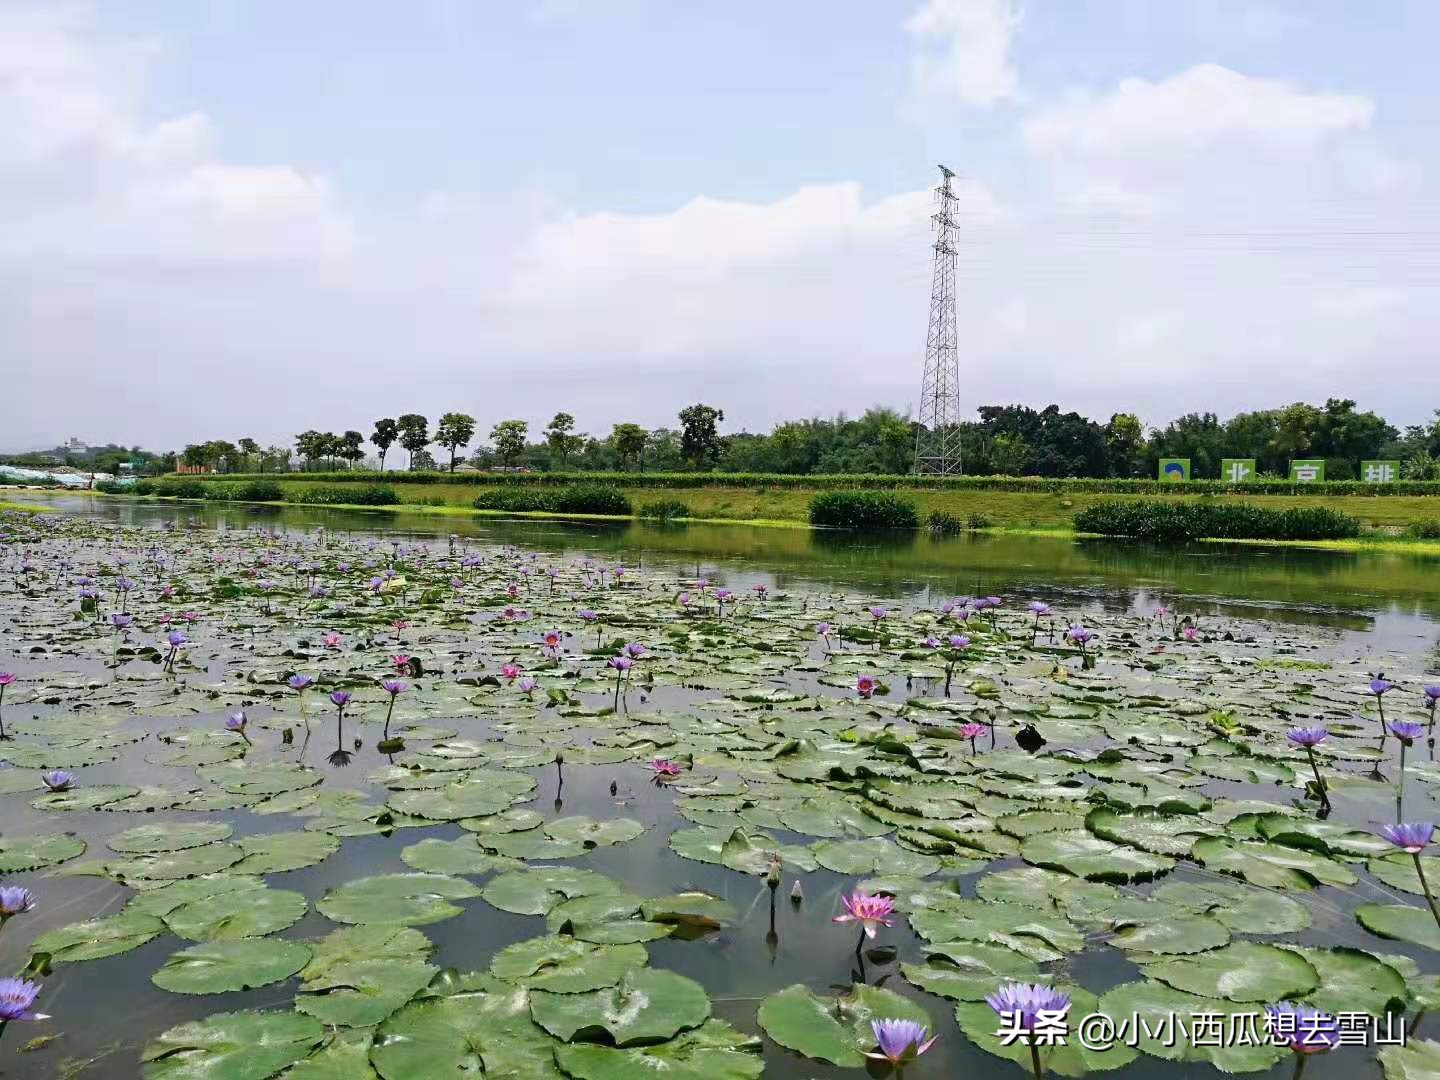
x=1003 y=509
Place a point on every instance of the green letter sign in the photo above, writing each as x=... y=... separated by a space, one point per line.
x=1308 y=471
x=1235 y=470
x=1380 y=472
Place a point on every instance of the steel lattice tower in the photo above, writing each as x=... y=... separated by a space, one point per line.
x=937 y=444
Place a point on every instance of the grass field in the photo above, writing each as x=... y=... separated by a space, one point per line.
x=1004 y=509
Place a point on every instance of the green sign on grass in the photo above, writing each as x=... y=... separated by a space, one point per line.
x=1379 y=472
x=1307 y=471
x=1235 y=470
x=1175 y=468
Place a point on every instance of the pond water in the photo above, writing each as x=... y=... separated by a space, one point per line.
x=1164 y=850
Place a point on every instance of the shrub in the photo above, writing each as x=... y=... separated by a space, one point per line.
x=664 y=510
x=258 y=491
x=180 y=487
x=978 y=521
x=143 y=487
x=331 y=494
x=1424 y=529
x=1176 y=521
x=109 y=487
x=570 y=499
x=863 y=510
x=942 y=524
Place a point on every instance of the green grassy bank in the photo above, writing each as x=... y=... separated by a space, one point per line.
x=1003 y=509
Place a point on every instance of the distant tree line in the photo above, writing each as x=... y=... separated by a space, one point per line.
x=1009 y=440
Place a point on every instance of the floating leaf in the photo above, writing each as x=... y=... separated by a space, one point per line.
x=713 y=1051
x=564 y=965
x=213 y=967
x=407 y=899
x=231 y=1046
x=647 y=1005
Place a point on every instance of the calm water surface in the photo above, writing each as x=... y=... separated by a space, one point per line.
x=1373 y=606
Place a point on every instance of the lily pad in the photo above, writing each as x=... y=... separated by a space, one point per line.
x=646 y=1005
x=406 y=899
x=213 y=967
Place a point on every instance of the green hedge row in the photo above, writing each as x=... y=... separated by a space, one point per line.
x=863 y=510
x=258 y=490
x=838 y=482
x=569 y=499
x=1167 y=521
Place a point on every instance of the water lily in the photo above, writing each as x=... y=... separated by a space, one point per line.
x=1380 y=686
x=14 y=900
x=866 y=686
x=1432 y=698
x=527 y=685
x=899 y=1041
x=972 y=731
x=877 y=613
x=760 y=589
x=57 y=779
x=870 y=911
x=635 y=650
x=509 y=672
x=1303 y=1029
x=393 y=687
x=299 y=683
x=1412 y=837
x=332 y=641
x=236 y=722
x=553 y=640
x=1023 y=1007
x=822 y=631
x=340 y=698
x=400 y=662
x=664 y=768
x=1309 y=738
x=16 y=997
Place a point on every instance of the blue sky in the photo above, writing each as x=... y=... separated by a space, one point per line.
x=617 y=207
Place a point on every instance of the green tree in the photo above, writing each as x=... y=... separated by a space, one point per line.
x=1125 y=445
x=455 y=430
x=508 y=437
x=627 y=443
x=384 y=436
x=1009 y=455
x=311 y=446
x=250 y=453
x=699 y=437
x=414 y=434
x=560 y=440
x=352 y=447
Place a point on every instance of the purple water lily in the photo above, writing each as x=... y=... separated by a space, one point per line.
x=14 y=900
x=1309 y=738
x=1303 y=1029
x=237 y=722
x=1022 y=1007
x=899 y=1041
x=16 y=997
x=57 y=779
x=299 y=683
x=1412 y=837
x=1380 y=686
x=393 y=687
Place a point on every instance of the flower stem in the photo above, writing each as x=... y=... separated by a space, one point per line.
x=1425 y=885
x=1035 y=1059
x=1301 y=1060
x=1319 y=783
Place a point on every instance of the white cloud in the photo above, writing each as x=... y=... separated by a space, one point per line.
x=1191 y=111
x=965 y=50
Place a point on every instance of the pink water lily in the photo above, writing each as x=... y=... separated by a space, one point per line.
x=869 y=911
x=866 y=685
x=665 y=769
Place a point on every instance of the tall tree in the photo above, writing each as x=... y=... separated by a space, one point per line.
x=414 y=434
x=1125 y=445
x=508 y=437
x=699 y=438
x=311 y=447
x=250 y=451
x=352 y=447
x=384 y=436
x=627 y=443
x=455 y=430
x=560 y=440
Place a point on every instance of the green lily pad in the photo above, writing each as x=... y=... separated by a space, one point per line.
x=1400 y=922
x=873 y=855
x=21 y=853
x=536 y=891
x=980 y=1024
x=713 y=1051
x=273 y=853
x=1242 y=971
x=213 y=967
x=171 y=836
x=231 y=1046
x=243 y=912
x=1085 y=855
x=360 y=993
x=98 y=938
x=1161 y=1008
x=646 y=1005
x=1419 y=1059
x=407 y=899
x=462 y=856
x=833 y=1029
x=564 y=965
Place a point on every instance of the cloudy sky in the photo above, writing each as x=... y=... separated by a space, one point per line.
x=250 y=217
